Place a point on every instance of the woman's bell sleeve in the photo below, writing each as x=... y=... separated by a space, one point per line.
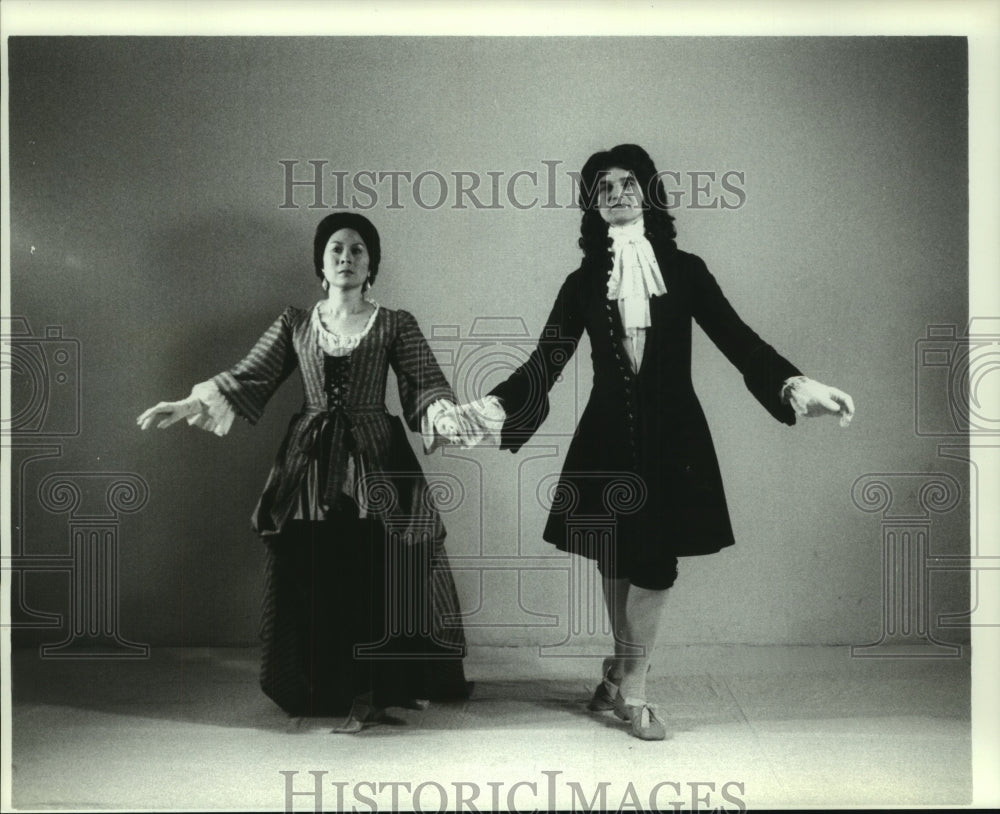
x=250 y=383
x=418 y=375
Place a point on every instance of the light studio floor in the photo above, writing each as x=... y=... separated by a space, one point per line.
x=779 y=727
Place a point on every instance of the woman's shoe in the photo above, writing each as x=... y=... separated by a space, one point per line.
x=362 y=713
x=607 y=691
x=604 y=695
x=645 y=725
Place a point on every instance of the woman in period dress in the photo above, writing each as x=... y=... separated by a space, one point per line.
x=360 y=609
x=642 y=459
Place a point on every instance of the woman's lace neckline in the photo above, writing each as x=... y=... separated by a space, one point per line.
x=336 y=344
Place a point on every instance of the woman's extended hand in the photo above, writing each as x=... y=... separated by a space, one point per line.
x=811 y=398
x=168 y=412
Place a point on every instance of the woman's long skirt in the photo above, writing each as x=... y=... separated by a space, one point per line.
x=347 y=613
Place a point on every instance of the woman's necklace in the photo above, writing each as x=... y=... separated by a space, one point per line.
x=345 y=323
x=328 y=311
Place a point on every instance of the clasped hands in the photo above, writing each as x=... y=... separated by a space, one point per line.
x=468 y=425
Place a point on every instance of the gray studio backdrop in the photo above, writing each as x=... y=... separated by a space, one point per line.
x=155 y=235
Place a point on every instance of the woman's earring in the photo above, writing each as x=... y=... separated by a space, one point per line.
x=326 y=285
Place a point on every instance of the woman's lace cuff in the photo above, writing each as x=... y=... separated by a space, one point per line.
x=428 y=431
x=215 y=413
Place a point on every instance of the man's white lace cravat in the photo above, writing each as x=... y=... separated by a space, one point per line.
x=635 y=275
